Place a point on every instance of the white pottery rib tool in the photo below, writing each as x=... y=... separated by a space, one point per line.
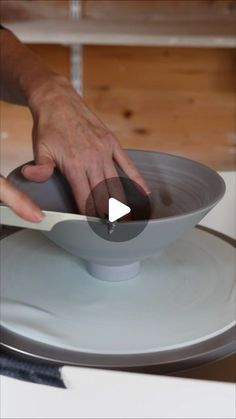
x=10 y=218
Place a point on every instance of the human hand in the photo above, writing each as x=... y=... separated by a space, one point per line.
x=68 y=135
x=19 y=202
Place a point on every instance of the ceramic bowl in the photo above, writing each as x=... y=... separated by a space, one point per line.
x=183 y=192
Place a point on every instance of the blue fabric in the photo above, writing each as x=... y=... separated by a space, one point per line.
x=41 y=373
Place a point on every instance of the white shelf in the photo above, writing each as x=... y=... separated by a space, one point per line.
x=97 y=32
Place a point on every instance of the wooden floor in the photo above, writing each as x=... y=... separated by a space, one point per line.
x=223 y=370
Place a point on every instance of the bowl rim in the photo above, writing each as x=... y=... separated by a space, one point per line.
x=204 y=208
x=189 y=213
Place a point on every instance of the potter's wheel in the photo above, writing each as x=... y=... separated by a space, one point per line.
x=179 y=311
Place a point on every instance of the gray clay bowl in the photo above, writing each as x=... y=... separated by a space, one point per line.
x=183 y=192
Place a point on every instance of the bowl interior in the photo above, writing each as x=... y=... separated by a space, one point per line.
x=179 y=186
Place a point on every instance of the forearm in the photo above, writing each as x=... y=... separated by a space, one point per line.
x=22 y=71
x=66 y=133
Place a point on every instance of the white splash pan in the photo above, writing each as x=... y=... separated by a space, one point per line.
x=180 y=308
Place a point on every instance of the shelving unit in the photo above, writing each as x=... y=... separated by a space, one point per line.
x=99 y=32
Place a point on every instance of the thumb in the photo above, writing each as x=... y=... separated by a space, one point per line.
x=41 y=171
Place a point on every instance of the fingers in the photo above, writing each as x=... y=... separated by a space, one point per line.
x=99 y=190
x=80 y=187
x=19 y=202
x=115 y=186
x=113 y=181
x=89 y=189
x=128 y=167
x=41 y=171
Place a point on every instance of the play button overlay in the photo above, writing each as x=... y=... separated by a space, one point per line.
x=122 y=206
x=116 y=210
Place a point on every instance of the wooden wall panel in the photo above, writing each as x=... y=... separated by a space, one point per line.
x=120 y=10
x=174 y=100
x=16 y=10
x=160 y=10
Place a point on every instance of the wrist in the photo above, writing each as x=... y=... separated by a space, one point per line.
x=44 y=89
x=52 y=89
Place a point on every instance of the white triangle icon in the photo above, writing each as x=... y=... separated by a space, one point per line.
x=116 y=210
